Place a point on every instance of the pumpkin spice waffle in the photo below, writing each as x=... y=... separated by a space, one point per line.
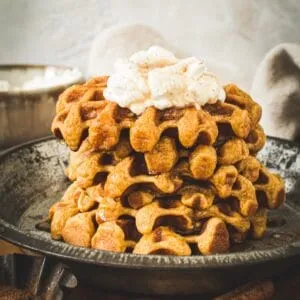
x=236 y=96
x=175 y=181
x=82 y=108
x=183 y=214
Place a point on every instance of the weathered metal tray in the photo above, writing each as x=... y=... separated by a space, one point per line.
x=32 y=178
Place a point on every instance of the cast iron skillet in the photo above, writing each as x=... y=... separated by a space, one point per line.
x=32 y=178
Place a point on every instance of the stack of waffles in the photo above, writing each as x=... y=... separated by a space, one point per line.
x=179 y=181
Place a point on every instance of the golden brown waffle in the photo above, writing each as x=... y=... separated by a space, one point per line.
x=162 y=240
x=236 y=96
x=232 y=151
x=200 y=164
x=59 y=216
x=197 y=196
x=79 y=229
x=192 y=125
x=191 y=195
x=269 y=188
x=259 y=223
x=256 y=139
x=126 y=174
x=213 y=239
x=82 y=111
x=139 y=198
x=174 y=181
x=106 y=129
x=249 y=168
x=244 y=192
x=164 y=213
x=117 y=236
x=76 y=108
x=163 y=156
x=111 y=210
x=75 y=200
x=228 y=114
x=92 y=90
x=225 y=213
x=85 y=164
x=223 y=180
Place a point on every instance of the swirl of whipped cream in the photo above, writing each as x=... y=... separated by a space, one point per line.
x=157 y=78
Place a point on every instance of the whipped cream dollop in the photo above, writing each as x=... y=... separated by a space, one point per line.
x=157 y=78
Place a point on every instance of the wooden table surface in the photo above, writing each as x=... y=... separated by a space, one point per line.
x=7 y=248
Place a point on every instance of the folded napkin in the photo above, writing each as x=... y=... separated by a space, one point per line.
x=276 y=86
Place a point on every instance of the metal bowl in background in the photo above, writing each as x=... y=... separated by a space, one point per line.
x=27 y=114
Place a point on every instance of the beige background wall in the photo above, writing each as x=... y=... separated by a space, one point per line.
x=235 y=34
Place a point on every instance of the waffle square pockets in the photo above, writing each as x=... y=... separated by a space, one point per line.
x=175 y=181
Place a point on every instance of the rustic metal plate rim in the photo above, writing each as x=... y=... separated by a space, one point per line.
x=61 y=250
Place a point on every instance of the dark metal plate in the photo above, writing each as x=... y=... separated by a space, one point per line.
x=32 y=178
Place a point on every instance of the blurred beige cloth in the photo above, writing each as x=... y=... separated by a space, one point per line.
x=276 y=86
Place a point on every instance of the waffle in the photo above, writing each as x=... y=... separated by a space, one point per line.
x=236 y=96
x=162 y=240
x=244 y=192
x=111 y=210
x=82 y=111
x=76 y=107
x=213 y=239
x=256 y=140
x=86 y=164
x=171 y=214
x=178 y=181
x=223 y=180
x=92 y=90
x=117 y=236
x=224 y=212
x=166 y=212
x=199 y=163
x=232 y=152
x=191 y=195
x=192 y=125
x=74 y=201
x=228 y=114
x=197 y=196
x=259 y=223
x=121 y=179
x=79 y=229
x=163 y=156
x=269 y=189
